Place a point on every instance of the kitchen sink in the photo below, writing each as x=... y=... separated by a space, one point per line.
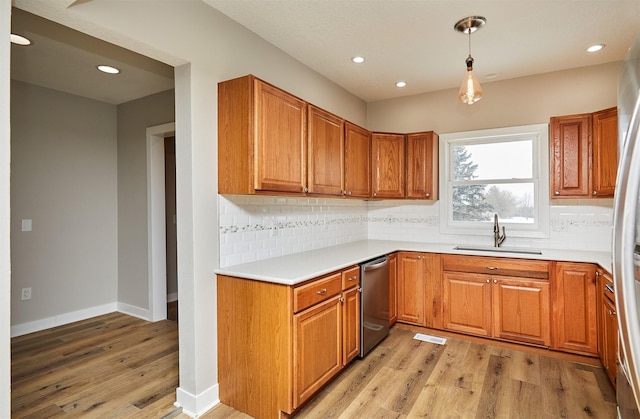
x=504 y=249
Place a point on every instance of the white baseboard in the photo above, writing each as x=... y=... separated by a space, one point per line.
x=61 y=319
x=195 y=406
x=141 y=313
x=172 y=296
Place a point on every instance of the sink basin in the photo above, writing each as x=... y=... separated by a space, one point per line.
x=525 y=250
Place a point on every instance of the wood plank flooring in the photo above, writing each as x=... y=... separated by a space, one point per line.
x=112 y=366
x=116 y=366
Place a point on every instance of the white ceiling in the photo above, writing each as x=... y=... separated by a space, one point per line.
x=64 y=59
x=414 y=40
x=410 y=40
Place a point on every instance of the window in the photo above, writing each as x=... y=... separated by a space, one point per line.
x=500 y=171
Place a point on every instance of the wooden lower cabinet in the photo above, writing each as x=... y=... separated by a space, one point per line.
x=279 y=344
x=466 y=303
x=521 y=310
x=317 y=348
x=419 y=294
x=574 y=328
x=393 y=289
x=607 y=325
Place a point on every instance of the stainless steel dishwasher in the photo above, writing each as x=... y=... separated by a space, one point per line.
x=374 y=319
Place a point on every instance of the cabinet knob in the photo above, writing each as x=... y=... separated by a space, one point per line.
x=594 y=193
x=556 y=193
x=495 y=281
x=488 y=281
x=612 y=313
x=322 y=291
x=375 y=194
x=306 y=189
x=342 y=299
x=419 y=257
x=597 y=274
x=492 y=268
x=349 y=193
x=352 y=278
x=427 y=195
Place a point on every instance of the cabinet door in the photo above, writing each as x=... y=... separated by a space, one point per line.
x=393 y=289
x=467 y=303
x=610 y=332
x=388 y=157
x=325 y=136
x=317 y=348
x=422 y=165
x=569 y=143
x=521 y=310
x=280 y=145
x=605 y=152
x=411 y=288
x=357 y=161
x=351 y=324
x=575 y=308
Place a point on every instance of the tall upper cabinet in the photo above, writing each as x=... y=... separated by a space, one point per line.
x=357 y=161
x=583 y=152
x=262 y=138
x=422 y=165
x=326 y=152
x=388 y=157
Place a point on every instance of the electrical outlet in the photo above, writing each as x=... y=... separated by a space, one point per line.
x=26 y=293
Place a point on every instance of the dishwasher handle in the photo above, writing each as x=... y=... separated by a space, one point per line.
x=375 y=266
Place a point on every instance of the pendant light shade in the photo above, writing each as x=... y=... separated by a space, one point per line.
x=470 y=90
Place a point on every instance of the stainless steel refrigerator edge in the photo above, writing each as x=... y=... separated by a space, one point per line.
x=374 y=316
x=626 y=235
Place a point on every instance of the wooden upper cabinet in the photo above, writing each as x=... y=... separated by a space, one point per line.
x=422 y=165
x=261 y=138
x=605 y=152
x=388 y=160
x=584 y=154
x=325 y=162
x=357 y=161
x=569 y=150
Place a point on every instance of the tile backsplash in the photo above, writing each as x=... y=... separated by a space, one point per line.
x=259 y=227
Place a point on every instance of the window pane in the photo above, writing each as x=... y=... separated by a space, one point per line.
x=501 y=160
x=513 y=202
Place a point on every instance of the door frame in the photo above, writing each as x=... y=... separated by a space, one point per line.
x=156 y=228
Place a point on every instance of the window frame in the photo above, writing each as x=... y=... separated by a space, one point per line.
x=539 y=134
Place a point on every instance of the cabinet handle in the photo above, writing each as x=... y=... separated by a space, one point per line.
x=612 y=313
x=306 y=189
x=360 y=290
x=597 y=274
x=427 y=195
x=495 y=281
x=419 y=257
x=342 y=299
x=322 y=291
x=375 y=194
x=594 y=193
x=492 y=268
x=556 y=193
x=488 y=281
x=352 y=278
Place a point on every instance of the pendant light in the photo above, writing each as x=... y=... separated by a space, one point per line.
x=470 y=90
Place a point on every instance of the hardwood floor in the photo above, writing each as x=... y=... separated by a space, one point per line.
x=112 y=366
x=116 y=366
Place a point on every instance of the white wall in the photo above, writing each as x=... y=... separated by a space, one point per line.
x=5 y=246
x=133 y=119
x=63 y=178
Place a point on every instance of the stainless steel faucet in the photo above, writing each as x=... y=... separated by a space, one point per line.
x=498 y=238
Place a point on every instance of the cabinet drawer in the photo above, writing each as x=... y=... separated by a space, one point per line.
x=536 y=269
x=350 y=277
x=314 y=292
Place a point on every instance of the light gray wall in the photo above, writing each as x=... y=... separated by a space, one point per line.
x=522 y=101
x=133 y=119
x=63 y=177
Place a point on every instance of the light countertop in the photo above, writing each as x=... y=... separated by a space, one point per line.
x=299 y=267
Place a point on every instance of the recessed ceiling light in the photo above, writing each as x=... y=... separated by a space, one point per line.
x=595 y=48
x=401 y=84
x=358 y=59
x=108 y=69
x=20 y=40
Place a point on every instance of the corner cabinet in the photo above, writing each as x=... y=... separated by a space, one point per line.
x=574 y=301
x=583 y=152
x=262 y=138
x=422 y=165
x=388 y=162
x=278 y=344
